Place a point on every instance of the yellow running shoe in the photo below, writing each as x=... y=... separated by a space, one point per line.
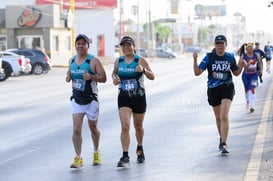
x=77 y=163
x=96 y=158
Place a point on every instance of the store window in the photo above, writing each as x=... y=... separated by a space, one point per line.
x=3 y=43
x=68 y=43
x=55 y=43
x=30 y=42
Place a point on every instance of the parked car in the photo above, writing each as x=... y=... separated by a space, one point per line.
x=164 y=53
x=196 y=49
x=143 y=52
x=13 y=65
x=1 y=69
x=39 y=61
x=117 y=51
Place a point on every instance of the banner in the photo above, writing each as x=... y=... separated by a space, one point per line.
x=82 y=4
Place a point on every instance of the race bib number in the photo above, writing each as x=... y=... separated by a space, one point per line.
x=79 y=84
x=220 y=75
x=252 y=69
x=129 y=85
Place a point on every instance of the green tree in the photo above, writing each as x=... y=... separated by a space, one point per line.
x=205 y=34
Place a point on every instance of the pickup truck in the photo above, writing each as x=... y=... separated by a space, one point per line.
x=1 y=69
x=13 y=65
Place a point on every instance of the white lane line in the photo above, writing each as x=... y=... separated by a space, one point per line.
x=18 y=156
x=254 y=164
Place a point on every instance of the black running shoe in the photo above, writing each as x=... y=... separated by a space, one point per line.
x=220 y=145
x=140 y=156
x=251 y=110
x=224 y=150
x=123 y=162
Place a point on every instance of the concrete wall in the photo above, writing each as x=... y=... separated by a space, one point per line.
x=96 y=22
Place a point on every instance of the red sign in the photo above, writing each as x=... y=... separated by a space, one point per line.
x=83 y=4
x=29 y=17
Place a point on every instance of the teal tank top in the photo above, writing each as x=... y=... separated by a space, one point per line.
x=77 y=71
x=129 y=75
x=82 y=89
x=128 y=71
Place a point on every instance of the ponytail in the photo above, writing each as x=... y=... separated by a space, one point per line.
x=241 y=50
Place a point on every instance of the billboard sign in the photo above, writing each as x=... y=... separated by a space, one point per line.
x=209 y=11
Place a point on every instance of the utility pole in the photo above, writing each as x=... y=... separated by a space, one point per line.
x=137 y=50
x=121 y=19
x=72 y=10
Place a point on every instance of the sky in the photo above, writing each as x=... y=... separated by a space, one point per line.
x=258 y=15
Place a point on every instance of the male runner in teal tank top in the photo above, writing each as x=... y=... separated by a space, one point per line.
x=85 y=71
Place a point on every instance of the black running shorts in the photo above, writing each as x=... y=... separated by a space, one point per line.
x=268 y=59
x=137 y=103
x=215 y=95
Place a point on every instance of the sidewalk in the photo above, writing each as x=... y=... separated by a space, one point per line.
x=106 y=60
x=63 y=62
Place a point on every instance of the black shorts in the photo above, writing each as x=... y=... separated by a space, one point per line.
x=215 y=95
x=267 y=59
x=136 y=102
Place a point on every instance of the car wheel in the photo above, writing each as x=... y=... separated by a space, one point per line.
x=37 y=69
x=7 y=70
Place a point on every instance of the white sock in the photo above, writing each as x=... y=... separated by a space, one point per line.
x=251 y=97
x=247 y=97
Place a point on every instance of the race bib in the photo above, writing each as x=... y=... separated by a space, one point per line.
x=129 y=85
x=220 y=75
x=252 y=69
x=79 y=84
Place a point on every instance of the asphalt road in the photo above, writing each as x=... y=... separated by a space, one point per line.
x=180 y=140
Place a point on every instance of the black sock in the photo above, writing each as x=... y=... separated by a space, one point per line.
x=125 y=154
x=139 y=148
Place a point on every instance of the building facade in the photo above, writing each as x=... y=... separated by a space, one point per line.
x=48 y=25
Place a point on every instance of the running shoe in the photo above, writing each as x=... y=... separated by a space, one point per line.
x=96 y=158
x=252 y=110
x=140 y=156
x=224 y=150
x=220 y=145
x=123 y=162
x=77 y=163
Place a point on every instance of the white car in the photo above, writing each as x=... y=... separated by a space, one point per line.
x=13 y=65
x=1 y=70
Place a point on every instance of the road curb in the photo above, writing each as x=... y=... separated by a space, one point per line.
x=255 y=161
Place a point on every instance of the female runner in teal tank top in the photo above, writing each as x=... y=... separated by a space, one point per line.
x=128 y=74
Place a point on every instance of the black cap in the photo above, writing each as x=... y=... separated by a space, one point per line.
x=257 y=43
x=83 y=36
x=127 y=39
x=220 y=38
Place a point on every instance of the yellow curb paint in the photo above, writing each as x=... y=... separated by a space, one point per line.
x=254 y=164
